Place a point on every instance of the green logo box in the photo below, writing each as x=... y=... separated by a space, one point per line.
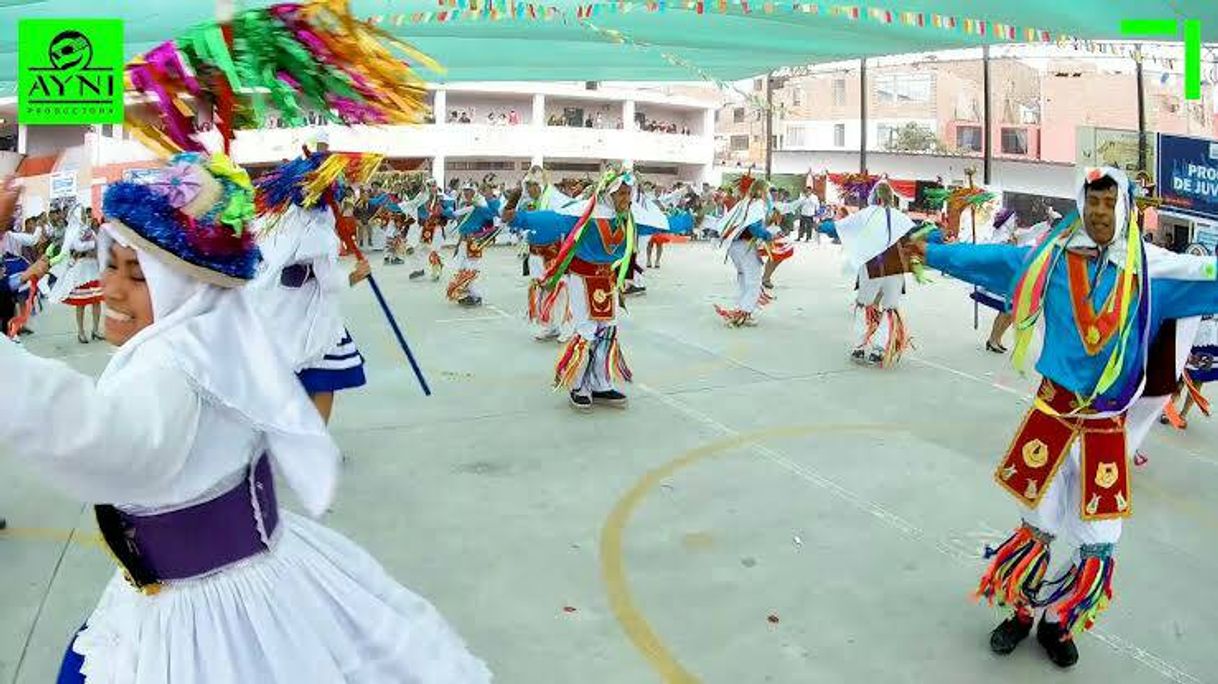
x=69 y=71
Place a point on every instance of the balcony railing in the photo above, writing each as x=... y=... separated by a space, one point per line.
x=451 y=140
x=479 y=140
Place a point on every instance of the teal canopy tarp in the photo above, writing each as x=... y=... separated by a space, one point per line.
x=665 y=40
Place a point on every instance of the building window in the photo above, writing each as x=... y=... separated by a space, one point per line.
x=738 y=115
x=776 y=142
x=839 y=135
x=968 y=138
x=839 y=91
x=740 y=143
x=884 y=134
x=795 y=96
x=1015 y=141
x=904 y=88
x=758 y=84
x=795 y=138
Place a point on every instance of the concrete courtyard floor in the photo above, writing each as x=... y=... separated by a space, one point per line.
x=764 y=511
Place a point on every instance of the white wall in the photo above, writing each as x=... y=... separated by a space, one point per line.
x=819 y=134
x=477 y=140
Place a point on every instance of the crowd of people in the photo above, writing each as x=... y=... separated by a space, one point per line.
x=510 y=117
x=223 y=297
x=660 y=126
x=586 y=244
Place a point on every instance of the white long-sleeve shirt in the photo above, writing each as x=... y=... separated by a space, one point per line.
x=130 y=440
x=11 y=242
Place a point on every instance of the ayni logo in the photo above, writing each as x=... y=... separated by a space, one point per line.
x=70 y=71
x=1170 y=28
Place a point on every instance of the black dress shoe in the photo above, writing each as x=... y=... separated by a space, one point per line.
x=3 y=524
x=1007 y=635
x=581 y=402
x=611 y=398
x=1063 y=653
x=996 y=348
x=415 y=275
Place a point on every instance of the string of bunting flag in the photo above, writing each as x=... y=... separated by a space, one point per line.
x=1133 y=51
x=508 y=10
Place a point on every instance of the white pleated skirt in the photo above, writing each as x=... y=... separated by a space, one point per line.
x=317 y=608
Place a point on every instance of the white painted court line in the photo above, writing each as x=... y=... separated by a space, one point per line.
x=967 y=376
x=500 y=312
x=468 y=319
x=953 y=548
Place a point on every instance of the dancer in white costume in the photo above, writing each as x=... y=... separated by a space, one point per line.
x=538 y=194
x=175 y=443
x=741 y=230
x=1067 y=466
x=297 y=290
x=432 y=209
x=475 y=230
x=77 y=277
x=869 y=239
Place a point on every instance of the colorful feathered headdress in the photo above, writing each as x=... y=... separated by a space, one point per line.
x=856 y=186
x=299 y=57
x=319 y=179
x=194 y=213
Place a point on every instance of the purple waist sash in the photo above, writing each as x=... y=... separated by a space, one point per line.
x=197 y=540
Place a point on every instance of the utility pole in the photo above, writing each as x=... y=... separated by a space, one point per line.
x=863 y=115
x=986 y=136
x=1142 y=146
x=769 y=125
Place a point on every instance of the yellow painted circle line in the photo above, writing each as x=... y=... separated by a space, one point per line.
x=46 y=534
x=613 y=569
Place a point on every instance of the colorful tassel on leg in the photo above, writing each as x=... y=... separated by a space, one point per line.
x=458 y=287
x=1092 y=589
x=1016 y=570
x=548 y=299
x=874 y=318
x=571 y=363
x=534 y=297
x=1194 y=391
x=898 y=338
x=615 y=360
x=734 y=317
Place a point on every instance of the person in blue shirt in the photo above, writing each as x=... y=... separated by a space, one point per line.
x=475 y=230
x=741 y=231
x=538 y=194
x=1101 y=296
x=600 y=233
x=432 y=210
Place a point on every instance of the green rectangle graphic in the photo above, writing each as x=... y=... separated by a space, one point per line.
x=69 y=71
